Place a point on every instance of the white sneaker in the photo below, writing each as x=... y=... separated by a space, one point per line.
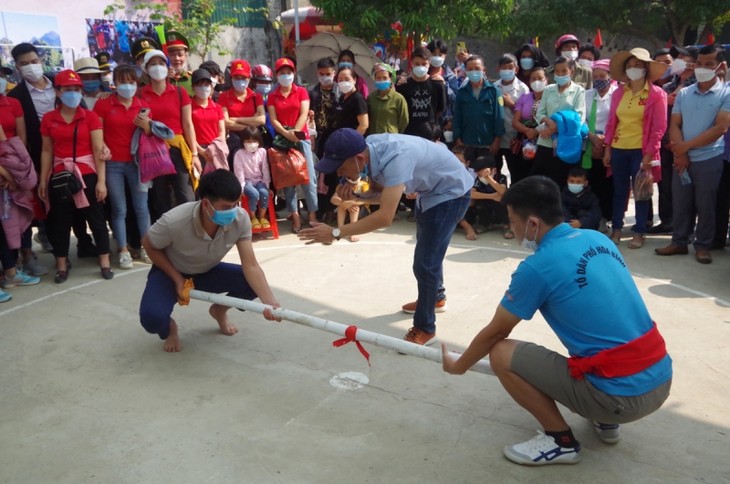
x=608 y=433
x=144 y=257
x=125 y=260
x=542 y=450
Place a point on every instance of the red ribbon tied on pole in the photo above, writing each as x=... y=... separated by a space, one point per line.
x=351 y=336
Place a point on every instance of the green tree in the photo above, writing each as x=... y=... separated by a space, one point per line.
x=195 y=22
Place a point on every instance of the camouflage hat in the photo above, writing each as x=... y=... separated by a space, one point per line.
x=143 y=45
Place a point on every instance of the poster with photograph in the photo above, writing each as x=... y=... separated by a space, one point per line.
x=39 y=30
x=116 y=37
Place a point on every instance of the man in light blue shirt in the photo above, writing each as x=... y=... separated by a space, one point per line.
x=402 y=163
x=700 y=119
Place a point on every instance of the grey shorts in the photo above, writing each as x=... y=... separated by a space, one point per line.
x=547 y=371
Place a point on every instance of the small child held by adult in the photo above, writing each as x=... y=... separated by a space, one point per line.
x=486 y=208
x=581 y=208
x=251 y=167
x=349 y=196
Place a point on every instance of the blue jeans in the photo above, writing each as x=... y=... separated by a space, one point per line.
x=625 y=164
x=117 y=173
x=434 y=229
x=310 y=190
x=160 y=295
x=257 y=194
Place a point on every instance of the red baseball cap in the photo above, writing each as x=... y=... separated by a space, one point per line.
x=240 y=67
x=67 y=78
x=284 y=62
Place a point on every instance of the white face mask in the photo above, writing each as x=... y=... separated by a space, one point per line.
x=678 y=67
x=585 y=62
x=704 y=75
x=437 y=61
x=538 y=86
x=570 y=54
x=635 y=73
x=3 y=85
x=285 y=80
x=202 y=92
x=326 y=80
x=251 y=147
x=530 y=245
x=346 y=86
x=158 y=72
x=32 y=72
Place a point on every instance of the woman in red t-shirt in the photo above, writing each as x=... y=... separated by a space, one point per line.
x=207 y=115
x=121 y=114
x=241 y=106
x=73 y=141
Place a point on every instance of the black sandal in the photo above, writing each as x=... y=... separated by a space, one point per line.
x=106 y=273
x=61 y=277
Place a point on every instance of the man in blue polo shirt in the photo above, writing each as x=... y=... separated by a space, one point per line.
x=402 y=163
x=700 y=119
x=580 y=284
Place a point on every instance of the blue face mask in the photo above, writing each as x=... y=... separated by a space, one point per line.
x=127 y=91
x=71 y=99
x=382 y=85
x=507 y=75
x=223 y=217
x=345 y=65
x=475 y=76
x=575 y=188
x=91 y=86
x=562 y=80
x=239 y=85
x=527 y=63
x=263 y=88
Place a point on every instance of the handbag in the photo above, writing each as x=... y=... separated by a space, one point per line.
x=288 y=168
x=643 y=185
x=64 y=184
x=153 y=158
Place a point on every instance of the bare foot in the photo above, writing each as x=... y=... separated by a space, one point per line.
x=353 y=238
x=172 y=343
x=470 y=234
x=219 y=313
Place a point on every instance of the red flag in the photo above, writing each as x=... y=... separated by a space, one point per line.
x=598 y=40
x=710 y=38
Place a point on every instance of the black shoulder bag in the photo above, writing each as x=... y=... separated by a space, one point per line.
x=64 y=184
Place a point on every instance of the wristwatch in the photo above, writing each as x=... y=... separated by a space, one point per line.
x=336 y=233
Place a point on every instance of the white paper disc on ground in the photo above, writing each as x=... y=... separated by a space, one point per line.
x=350 y=380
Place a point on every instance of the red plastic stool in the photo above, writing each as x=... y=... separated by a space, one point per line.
x=273 y=226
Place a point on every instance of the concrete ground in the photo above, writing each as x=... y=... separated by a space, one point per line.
x=88 y=396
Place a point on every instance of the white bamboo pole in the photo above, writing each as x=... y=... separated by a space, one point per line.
x=362 y=335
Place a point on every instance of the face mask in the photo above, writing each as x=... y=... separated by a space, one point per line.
x=585 y=62
x=127 y=91
x=530 y=245
x=449 y=136
x=507 y=75
x=527 y=63
x=91 y=86
x=71 y=99
x=437 y=61
x=3 y=85
x=240 y=85
x=570 y=54
x=475 y=76
x=575 y=188
x=32 y=72
x=263 y=88
x=538 y=86
x=345 y=65
x=678 y=67
x=251 y=147
x=420 y=71
x=223 y=217
x=635 y=73
x=345 y=86
x=285 y=80
x=326 y=80
x=382 y=85
x=202 y=92
x=601 y=84
x=562 y=80
x=158 y=72
x=704 y=75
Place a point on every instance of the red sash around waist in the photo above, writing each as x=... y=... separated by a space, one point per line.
x=623 y=360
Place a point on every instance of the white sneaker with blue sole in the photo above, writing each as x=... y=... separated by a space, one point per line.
x=542 y=450
x=608 y=433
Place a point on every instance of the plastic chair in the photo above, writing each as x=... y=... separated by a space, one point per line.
x=273 y=225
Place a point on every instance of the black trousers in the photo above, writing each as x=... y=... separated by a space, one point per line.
x=519 y=168
x=722 y=209
x=549 y=165
x=61 y=218
x=602 y=186
x=169 y=191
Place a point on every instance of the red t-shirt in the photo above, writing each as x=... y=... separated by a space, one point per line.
x=240 y=109
x=119 y=124
x=10 y=110
x=288 y=108
x=62 y=134
x=167 y=106
x=205 y=121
